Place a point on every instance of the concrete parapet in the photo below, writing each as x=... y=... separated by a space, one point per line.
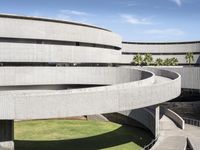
x=174 y=116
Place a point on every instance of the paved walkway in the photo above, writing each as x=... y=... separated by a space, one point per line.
x=173 y=138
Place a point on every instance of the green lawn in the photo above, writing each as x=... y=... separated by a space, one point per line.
x=77 y=135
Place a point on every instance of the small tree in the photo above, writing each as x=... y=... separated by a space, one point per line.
x=159 y=62
x=137 y=59
x=167 y=62
x=189 y=57
x=173 y=61
x=148 y=59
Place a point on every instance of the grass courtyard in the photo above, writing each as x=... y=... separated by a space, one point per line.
x=77 y=135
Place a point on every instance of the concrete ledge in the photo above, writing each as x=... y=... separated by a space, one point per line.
x=9 y=145
x=98 y=117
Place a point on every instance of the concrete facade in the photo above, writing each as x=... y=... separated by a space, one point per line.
x=161 y=50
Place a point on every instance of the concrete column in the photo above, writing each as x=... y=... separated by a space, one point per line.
x=6 y=134
x=157 y=120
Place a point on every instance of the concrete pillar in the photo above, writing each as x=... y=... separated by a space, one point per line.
x=157 y=120
x=6 y=134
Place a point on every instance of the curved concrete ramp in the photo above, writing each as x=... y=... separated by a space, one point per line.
x=126 y=89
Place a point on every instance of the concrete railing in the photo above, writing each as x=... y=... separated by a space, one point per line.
x=193 y=122
x=164 y=73
x=190 y=76
x=174 y=116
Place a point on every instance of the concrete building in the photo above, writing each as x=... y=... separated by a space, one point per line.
x=38 y=79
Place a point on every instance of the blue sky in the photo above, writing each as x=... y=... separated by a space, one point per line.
x=134 y=20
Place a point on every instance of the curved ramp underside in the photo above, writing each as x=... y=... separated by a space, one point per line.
x=121 y=89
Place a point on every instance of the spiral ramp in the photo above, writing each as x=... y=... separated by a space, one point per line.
x=30 y=88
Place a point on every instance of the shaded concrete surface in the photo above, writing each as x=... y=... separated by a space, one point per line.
x=173 y=138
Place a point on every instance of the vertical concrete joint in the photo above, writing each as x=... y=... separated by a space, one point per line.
x=157 y=121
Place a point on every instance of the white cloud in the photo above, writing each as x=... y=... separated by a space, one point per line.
x=166 y=32
x=63 y=17
x=74 y=15
x=74 y=12
x=127 y=4
x=135 y=20
x=178 y=2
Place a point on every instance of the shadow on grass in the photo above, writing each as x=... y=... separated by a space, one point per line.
x=116 y=137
